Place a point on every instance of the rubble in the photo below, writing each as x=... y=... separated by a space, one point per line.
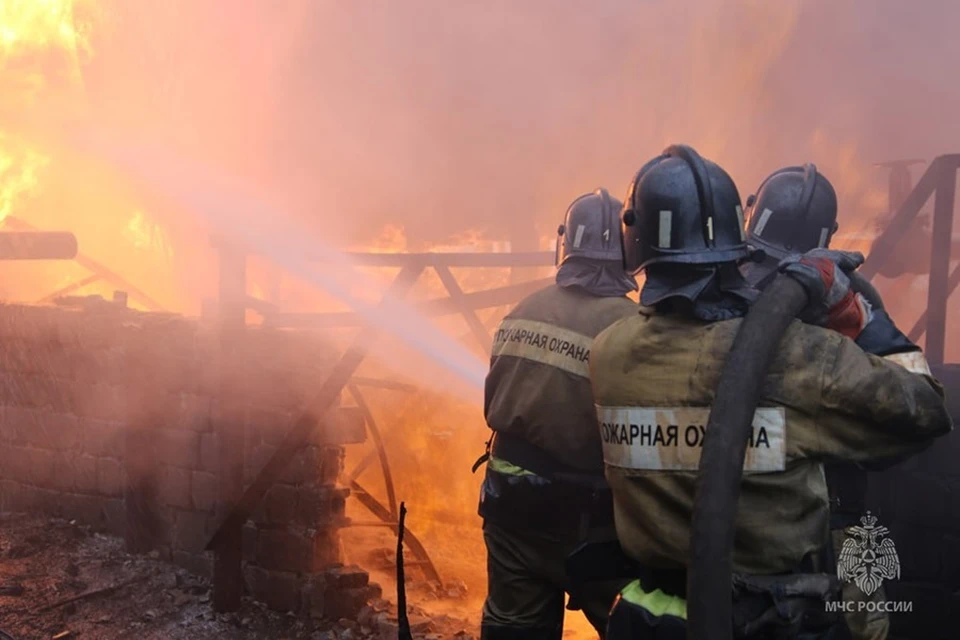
x=91 y=588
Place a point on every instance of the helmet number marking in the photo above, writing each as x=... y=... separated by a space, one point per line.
x=743 y=235
x=606 y=235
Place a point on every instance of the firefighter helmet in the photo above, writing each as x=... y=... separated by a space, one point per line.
x=681 y=208
x=590 y=229
x=793 y=211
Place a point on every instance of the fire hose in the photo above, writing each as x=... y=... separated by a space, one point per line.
x=710 y=576
x=709 y=593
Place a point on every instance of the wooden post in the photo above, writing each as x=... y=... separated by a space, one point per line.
x=227 y=568
x=938 y=291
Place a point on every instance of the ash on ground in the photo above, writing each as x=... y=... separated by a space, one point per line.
x=61 y=580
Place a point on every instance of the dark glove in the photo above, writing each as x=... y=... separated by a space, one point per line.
x=832 y=303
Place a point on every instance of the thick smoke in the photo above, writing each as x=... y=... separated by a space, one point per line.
x=439 y=115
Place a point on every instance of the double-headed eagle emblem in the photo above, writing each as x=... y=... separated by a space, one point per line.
x=868 y=556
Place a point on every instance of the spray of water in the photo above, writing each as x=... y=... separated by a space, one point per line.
x=243 y=218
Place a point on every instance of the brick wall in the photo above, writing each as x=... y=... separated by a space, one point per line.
x=108 y=416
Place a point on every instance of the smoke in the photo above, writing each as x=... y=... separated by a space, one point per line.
x=439 y=115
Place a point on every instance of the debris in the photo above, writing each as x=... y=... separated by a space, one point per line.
x=91 y=594
x=63 y=634
x=12 y=590
x=403 y=632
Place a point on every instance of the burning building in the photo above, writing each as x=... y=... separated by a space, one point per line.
x=149 y=130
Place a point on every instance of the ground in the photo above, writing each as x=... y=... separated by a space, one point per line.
x=61 y=580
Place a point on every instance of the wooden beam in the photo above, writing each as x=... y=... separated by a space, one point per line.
x=37 y=245
x=466 y=259
x=920 y=327
x=458 y=298
x=938 y=289
x=498 y=297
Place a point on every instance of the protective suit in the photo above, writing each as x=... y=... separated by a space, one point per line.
x=794 y=211
x=825 y=398
x=544 y=493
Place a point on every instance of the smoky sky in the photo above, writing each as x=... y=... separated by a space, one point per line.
x=441 y=116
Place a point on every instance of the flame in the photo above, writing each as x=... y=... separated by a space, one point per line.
x=19 y=169
x=42 y=42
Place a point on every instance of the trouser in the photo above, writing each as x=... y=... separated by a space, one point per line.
x=862 y=623
x=526 y=583
x=764 y=608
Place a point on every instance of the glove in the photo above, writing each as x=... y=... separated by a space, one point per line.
x=834 y=305
x=832 y=302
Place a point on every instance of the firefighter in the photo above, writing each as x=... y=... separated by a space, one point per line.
x=794 y=211
x=544 y=492
x=852 y=389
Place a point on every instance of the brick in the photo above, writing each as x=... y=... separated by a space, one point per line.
x=278 y=590
x=321 y=506
x=313 y=597
x=16 y=463
x=45 y=468
x=11 y=496
x=327 y=550
x=284 y=550
x=110 y=477
x=349 y=577
x=331 y=464
x=194 y=412
x=61 y=432
x=280 y=504
x=181 y=448
x=271 y=423
x=256 y=460
x=99 y=400
x=305 y=467
x=102 y=438
x=199 y=564
x=37 y=391
x=84 y=473
x=209 y=452
x=174 y=487
x=342 y=425
x=204 y=489
x=344 y=603
x=83 y=508
x=47 y=501
x=191 y=531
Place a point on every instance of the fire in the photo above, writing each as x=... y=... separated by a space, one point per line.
x=42 y=42
x=19 y=169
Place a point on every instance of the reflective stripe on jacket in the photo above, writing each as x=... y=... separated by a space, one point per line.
x=836 y=402
x=538 y=387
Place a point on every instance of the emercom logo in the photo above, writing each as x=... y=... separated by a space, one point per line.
x=868 y=556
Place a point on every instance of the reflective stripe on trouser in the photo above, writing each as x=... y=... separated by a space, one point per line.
x=653 y=615
x=863 y=625
x=527 y=582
